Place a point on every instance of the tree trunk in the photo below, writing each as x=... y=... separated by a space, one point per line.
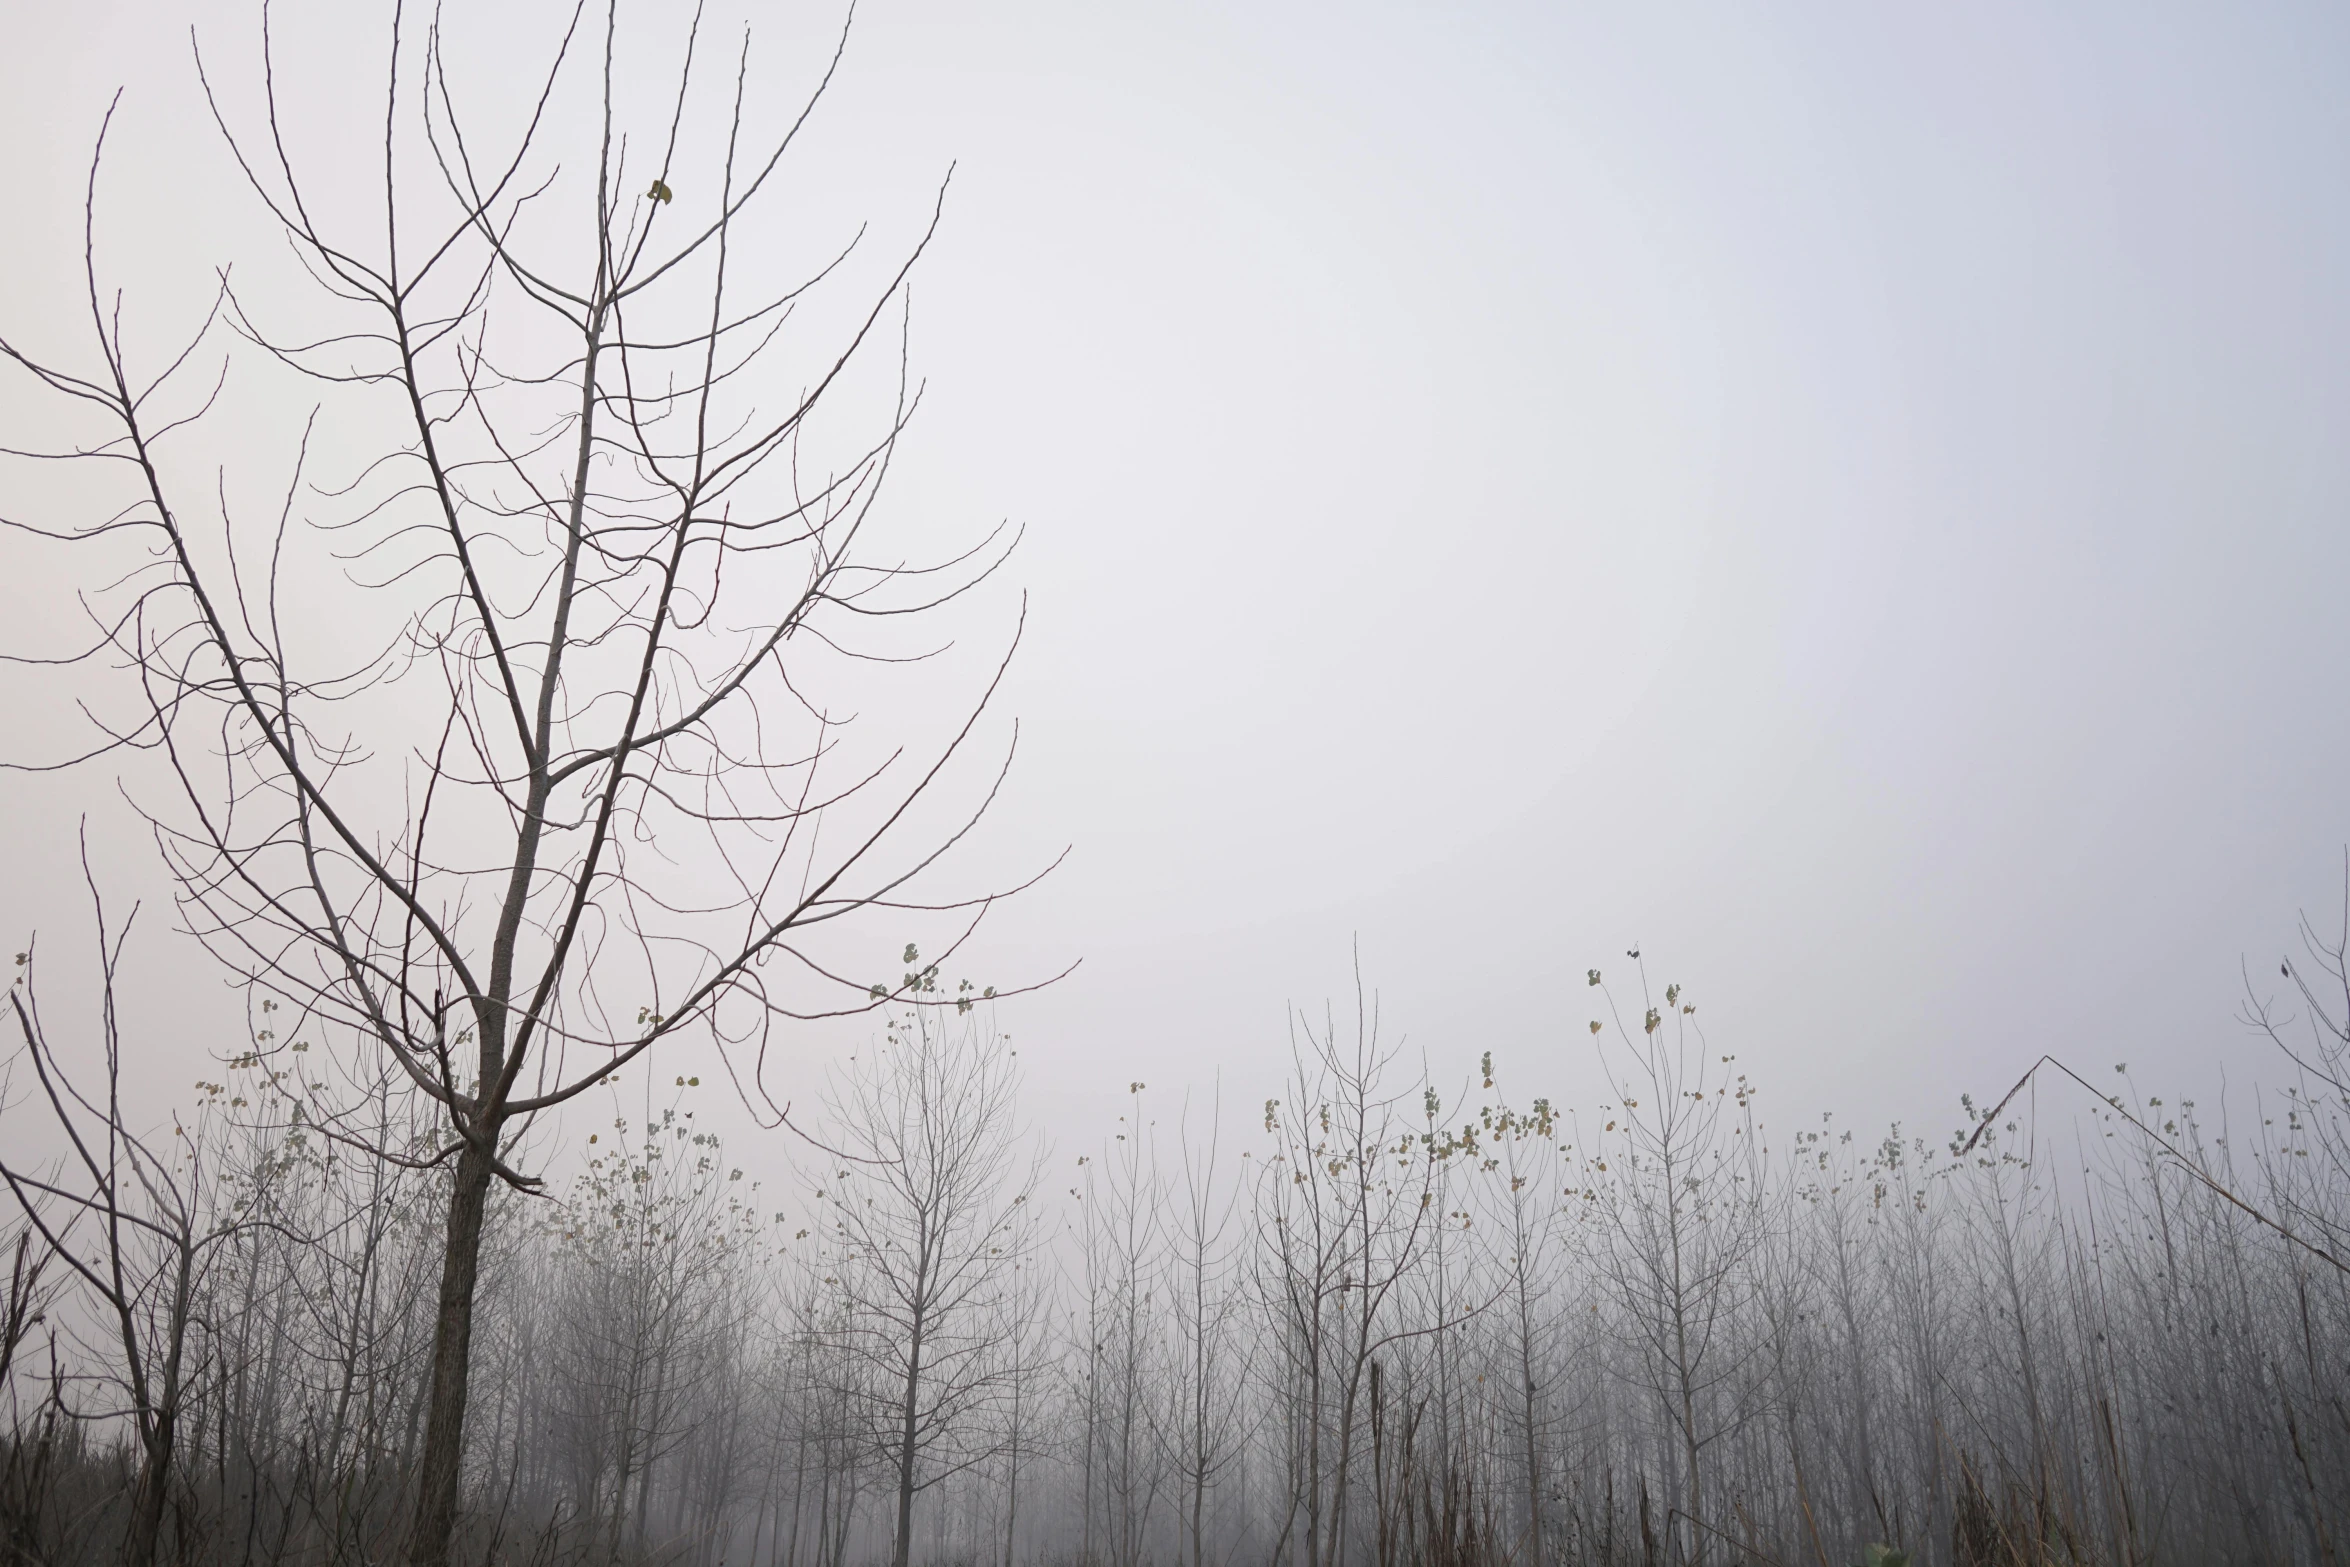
x=154 y=1484
x=1012 y=1476
x=162 y=1429
x=1533 y=1447
x=1012 y=1503
x=444 y=1430
x=906 y=1434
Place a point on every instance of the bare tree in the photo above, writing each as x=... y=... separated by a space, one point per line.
x=1686 y=1223
x=1124 y=1239
x=1212 y=1369
x=1349 y=1204
x=137 y=1226
x=653 y=1232
x=1522 y=1153
x=1028 y=1320
x=30 y=1447
x=925 y=1207
x=830 y=1454
x=566 y=806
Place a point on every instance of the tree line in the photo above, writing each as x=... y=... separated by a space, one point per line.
x=1364 y=1323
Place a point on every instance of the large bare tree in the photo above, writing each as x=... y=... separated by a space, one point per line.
x=512 y=740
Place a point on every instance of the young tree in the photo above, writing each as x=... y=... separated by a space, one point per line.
x=925 y=1205
x=564 y=490
x=137 y=1226
x=1684 y=1224
x=830 y=1455
x=1348 y=1207
x=1124 y=1239
x=30 y=1446
x=1523 y=1155
x=1026 y=1352
x=1209 y=1432
x=653 y=1234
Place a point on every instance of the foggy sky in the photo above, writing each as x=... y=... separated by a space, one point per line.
x=1849 y=501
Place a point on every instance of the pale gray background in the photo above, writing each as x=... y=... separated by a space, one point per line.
x=1848 y=497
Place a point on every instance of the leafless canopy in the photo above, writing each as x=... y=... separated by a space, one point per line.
x=511 y=737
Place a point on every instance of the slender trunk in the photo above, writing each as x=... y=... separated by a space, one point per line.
x=1199 y=1434
x=1685 y=1377
x=824 y=1515
x=1383 y=1545
x=1811 y=1521
x=906 y=1432
x=444 y=1430
x=1093 y=1400
x=799 y=1482
x=1341 y=1471
x=767 y=1498
x=1526 y=1382
x=1012 y=1464
x=1696 y=1497
x=154 y=1485
x=1314 y=1448
x=1607 y=1550
x=1012 y=1496
x=162 y=1432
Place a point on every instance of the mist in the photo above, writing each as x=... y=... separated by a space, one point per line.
x=1833 y=514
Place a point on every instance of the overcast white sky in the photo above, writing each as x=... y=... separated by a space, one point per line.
x=1849 y=498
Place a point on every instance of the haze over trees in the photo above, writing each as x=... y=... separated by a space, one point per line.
x=1390 y=1324
x=435 y=1269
